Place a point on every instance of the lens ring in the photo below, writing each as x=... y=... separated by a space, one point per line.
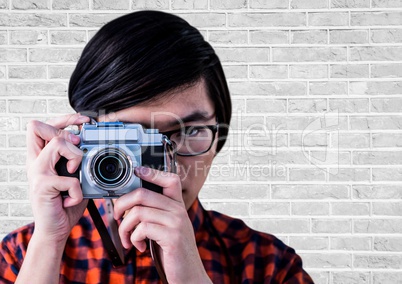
x=111 y=168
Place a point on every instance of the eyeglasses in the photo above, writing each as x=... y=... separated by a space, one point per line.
x=193 y=140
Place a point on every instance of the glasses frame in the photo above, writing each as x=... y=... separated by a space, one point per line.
x=214 y=128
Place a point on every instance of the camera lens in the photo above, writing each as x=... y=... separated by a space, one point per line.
x=110 y=168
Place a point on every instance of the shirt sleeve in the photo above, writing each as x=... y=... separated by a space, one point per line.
x=9 y=262
x=292 y=271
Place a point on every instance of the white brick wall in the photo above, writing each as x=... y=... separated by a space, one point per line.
x=314 y=154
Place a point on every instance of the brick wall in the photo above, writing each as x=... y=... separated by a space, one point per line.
x=314 y=154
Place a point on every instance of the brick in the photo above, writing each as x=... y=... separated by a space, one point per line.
x=387 y=208
x=30 y=4
x=392 y=70
x=2 y=72
x=274 y=4
x=270 y=208
x=331 y=226
x=245 y=122
x=13 y=55
x=313 y=174
x=269 y=37
x=376 y=53
x=60 y=71
x=328 y=88
x=27 y=72
x=263 y=138
x=177 y=4
x=388 y=122
x=9 y=123
x=7 y=226
x=18 y=175
x=375 y=88
x=310 y=140
x=3 y=37
x=280 y=225
x=348 y=36
x=386 y=277
x=377 y=261
x=268 y=88
x=310 y=208
x=309 y=37
x=280 y=157
x=4 y=210
x=351 y=277
x=351 y=140
x=267 y=19
x=205 y=20
x=309 y=4
x=378 y=226
x=20 y=210
x=386 y=35
x=350 y=3
x=27 y=106
x=377 y=157
x=386 y=4
x=327 y=260
x=3 y=4
x=110 y=5
x=387 y=140
x=304 y=123
x=59 y=106
x=393 y=244
x=310 y=191
x=91 y=20
x=33 y=20
x=307 y=105
x=308 y=71
x=228 y=4
x=33 y=89
x=265 y=105
x=3 y=140
x=29 y=37
x=244 y=192
x=16 y=140
x=3 y=175
x=308 y=54
x=350 y=243
x=349 y=174
x=70 y=5
x=320 y=277
x=328 y=19
x=231 y=208
x=67 y=37
x=243 y=54
x=387 y=174
x=12 y=158
x=228 y=37
x=386 y=105
x=54 y=55
x=309 y=242
x=349 y=71
x=13 y=192
x=349 y=105
x=377 y=192
x=352 y=208
x=376 y=18
x=235 y=72
x=268 y=72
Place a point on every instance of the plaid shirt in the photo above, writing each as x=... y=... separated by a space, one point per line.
x=255 y=257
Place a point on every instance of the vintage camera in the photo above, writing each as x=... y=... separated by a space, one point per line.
x=111 y=152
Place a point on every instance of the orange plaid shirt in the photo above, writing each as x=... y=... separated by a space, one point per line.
x=222 y=241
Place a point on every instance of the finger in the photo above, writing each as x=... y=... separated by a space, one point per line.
x=38 y=133
x=170 y=182
x=150 y=231
x=69 y=119
x=140 y=214
x=56 y=148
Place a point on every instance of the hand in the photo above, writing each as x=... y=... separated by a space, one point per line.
x=164 y=219
x=46 y=143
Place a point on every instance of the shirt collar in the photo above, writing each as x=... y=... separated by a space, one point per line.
x=196 y=214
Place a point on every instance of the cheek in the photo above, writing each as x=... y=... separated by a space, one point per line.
x=194 y=170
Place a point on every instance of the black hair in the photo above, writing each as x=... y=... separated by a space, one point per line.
x=142 y=56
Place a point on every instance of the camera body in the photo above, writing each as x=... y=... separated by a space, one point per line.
x=111 y=151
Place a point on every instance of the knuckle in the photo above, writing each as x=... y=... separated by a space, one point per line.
x=33 y=124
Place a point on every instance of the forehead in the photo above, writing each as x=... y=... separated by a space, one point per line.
x=189 y=104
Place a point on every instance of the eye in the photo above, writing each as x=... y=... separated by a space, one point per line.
x=191 y=132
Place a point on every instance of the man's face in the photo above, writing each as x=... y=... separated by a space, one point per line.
x=188 y=107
